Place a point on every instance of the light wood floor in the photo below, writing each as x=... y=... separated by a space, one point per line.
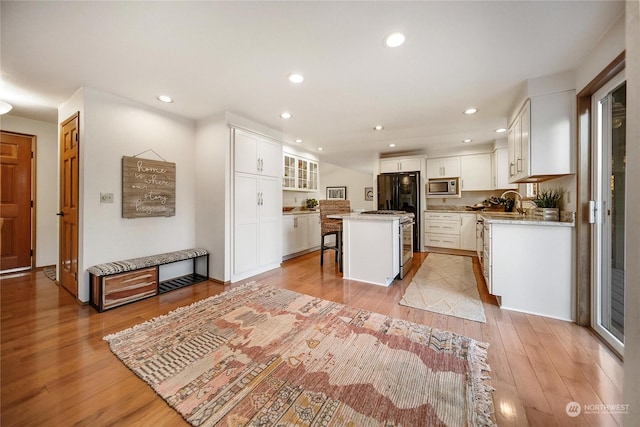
x=57 y=371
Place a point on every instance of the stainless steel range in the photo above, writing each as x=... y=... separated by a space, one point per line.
x=407 y=221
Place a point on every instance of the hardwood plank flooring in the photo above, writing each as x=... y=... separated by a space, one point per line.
x=56 y=369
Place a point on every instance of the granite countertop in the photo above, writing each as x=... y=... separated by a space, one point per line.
x=493 y=218
x=499 y=217
x=300 y=212
x=360 y=217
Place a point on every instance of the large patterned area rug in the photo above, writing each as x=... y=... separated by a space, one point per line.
x=260 y=355
x=446 y=284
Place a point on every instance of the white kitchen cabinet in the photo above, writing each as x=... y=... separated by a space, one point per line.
x=443 y=167
x=257 y=155
x=475 y=172
x=442 y=230
x=257 y=223
x=299 y=173
x=451 y=230
x=540 y=138
x=313 y=231
x=257 y=205
x=468 y=231
x=294 y=234
x=500 y=170
x=289 y=174
x=307 y=175
x=515 y=250
x=300 y=233
x=400 y=164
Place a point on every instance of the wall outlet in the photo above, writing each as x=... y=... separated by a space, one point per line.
x=106 y=197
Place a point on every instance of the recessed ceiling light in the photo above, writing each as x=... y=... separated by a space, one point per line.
x=392 y=145
x=320 y=149
x=500 y=130
x=5 y=107
x=471 y=111
x=394 y=40
x=467 y=140
x=165 y=98
x=286 y=115
x=378 y=127
x=296 y=78
x=298 y=141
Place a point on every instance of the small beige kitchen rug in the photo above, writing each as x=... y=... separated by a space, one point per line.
x=446 y=284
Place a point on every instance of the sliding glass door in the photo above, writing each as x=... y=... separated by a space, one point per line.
x=608 y=214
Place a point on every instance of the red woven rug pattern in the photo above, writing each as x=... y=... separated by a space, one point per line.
x=260 y=355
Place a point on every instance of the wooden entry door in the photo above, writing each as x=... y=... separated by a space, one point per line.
x=69 y=173
x=15 y=201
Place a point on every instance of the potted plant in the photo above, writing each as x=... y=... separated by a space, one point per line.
x=311 y=204
x=548 y=204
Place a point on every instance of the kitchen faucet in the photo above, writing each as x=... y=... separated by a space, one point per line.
x=519 y=209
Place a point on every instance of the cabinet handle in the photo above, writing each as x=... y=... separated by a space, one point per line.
x=511 y=166
x=519 y=165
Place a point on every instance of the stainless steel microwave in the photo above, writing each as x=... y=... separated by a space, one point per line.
x=443 y=187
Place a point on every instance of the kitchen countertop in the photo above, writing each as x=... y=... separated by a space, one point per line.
x=300 y=212
x=498 y=217
x=522 y=220
x=360 y=217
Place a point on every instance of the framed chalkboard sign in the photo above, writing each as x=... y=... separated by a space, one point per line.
x=148 y=188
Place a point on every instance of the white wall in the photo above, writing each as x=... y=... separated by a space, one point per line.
x=46 y=197
x=355 y=181
x=112 y=127
x=601 y=55
x=213 y=201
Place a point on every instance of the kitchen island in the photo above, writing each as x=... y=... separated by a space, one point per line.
x=371 y=247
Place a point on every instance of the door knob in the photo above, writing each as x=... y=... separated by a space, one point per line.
x=60 y=213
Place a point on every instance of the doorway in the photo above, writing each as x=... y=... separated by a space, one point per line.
x=17 y=235
x=608 y=211
x=69 y=174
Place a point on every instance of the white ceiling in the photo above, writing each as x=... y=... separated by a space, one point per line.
x=236 y=56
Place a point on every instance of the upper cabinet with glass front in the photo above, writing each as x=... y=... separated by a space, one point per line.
x=289 y=173
x=300 y=174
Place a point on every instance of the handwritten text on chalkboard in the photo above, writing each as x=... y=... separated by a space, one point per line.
x=148 y=188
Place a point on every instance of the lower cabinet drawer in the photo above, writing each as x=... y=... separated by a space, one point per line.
x=448 y=227
x=442 y=240
x=127 y=287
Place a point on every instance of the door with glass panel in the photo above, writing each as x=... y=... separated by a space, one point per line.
x=608 y=211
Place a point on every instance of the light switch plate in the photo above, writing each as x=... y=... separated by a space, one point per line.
x=106 y=197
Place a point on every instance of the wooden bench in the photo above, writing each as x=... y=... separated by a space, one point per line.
x=121 y=282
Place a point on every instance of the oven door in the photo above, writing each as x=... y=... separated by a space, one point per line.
x=406 y=247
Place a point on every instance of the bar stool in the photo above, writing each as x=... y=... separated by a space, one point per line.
x=332 y=227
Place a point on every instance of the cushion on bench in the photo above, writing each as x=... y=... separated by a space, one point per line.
x=147 y=261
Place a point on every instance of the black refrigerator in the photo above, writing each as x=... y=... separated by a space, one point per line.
x=401 y=191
